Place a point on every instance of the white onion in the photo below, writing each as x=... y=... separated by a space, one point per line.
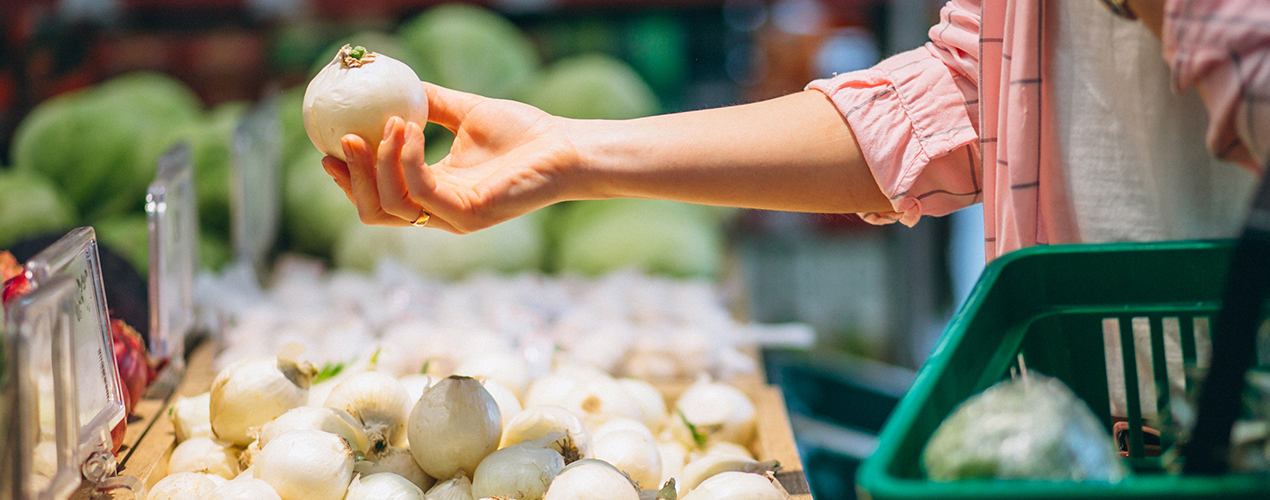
x=632 y=452
x=454 y=426
x=716 y=410
x=721 y=447
x=181 y=486
x=673 y=457
x=307 y=465
x=253 y=391
x=586 y=391
x=415 y=384
x=522 y=471
x=651 y=402
x=357 y=95
x=621 y=424
x=399 y=461
x=537 y=421
x=590 y=479
x=733 y=485
x=508 y=403
x=322 y=418
x=458 y=487
x=191 y=417
x=204 y=455
x=379 y=402
x=383 y=486
x=243 y=488
x=701 y=469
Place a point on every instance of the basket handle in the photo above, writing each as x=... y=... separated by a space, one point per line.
x=1234 y=341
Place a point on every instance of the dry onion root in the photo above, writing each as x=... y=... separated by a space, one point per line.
x=356 y=93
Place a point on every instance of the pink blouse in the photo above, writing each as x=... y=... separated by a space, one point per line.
x=967 y=118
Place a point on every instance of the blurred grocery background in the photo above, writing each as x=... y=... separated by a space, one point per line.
x=93 y=92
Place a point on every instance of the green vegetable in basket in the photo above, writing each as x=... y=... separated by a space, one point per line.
x=1032 y=427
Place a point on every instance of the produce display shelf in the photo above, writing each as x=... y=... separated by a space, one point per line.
x=151 y=438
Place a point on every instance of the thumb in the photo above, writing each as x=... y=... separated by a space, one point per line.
x=447 y=107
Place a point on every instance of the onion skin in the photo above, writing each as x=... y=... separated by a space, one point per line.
x=359 y=99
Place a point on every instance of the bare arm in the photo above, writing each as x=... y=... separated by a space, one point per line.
x=791 y=153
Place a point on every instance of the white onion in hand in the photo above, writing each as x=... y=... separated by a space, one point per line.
x=356 y=93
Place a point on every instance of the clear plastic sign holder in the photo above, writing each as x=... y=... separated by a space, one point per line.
x=172 y=221
x=10 y=455
x=87 y=392
x=256 y=188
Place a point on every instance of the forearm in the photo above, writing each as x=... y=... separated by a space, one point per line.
x=794 y=153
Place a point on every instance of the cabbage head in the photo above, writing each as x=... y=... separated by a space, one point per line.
x=100 y=146
x=656 y=236
x=315 y=211
x=30 y=205
x=471 y=48
x=593 y=86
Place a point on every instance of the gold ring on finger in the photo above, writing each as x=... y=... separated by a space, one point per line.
x=423 y=218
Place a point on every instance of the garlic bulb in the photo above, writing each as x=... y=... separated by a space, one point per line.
x=243 y=488
x=590 y=479
x=458 y=487
x=537 y=421
x=716 y=411
x=356 y=93
x=383 y=486
x=454 y=426
x=633 y=453
x=204 y=455
x=734 y=485
x=508 y=403
x=191 y=417
x=651 y=402
x=181 y=486
x=306 y=465
x=254 y=391
x=697 y=471
x=379 y=402
x=398 y=461
x=522 y=471
x=322 y=418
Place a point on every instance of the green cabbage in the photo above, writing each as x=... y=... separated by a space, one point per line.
x=315 y=211
x=473 y=49
x=1033 y=427
x=593 y=86
x=30 y=206
x=656 y=236
x=211 y=152
x=290 y=111
x=101 y=145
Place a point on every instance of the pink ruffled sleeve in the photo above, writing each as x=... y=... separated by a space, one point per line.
x=916 y=118
x=1223 y=50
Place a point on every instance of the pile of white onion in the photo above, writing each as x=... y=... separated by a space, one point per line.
x=573 y=433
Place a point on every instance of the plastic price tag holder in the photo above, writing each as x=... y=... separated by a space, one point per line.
x=256 y=166
x=10 y=456
x=43 y=389
x=98 y=396
x=172 y=220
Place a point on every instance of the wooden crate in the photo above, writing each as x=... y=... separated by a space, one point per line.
x=151 y=439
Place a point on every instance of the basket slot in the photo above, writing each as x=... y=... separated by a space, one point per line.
x=1203 y=343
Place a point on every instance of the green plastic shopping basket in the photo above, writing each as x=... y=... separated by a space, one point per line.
x=1063 y=307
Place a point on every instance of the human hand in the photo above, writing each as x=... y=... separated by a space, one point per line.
x=508 y=159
